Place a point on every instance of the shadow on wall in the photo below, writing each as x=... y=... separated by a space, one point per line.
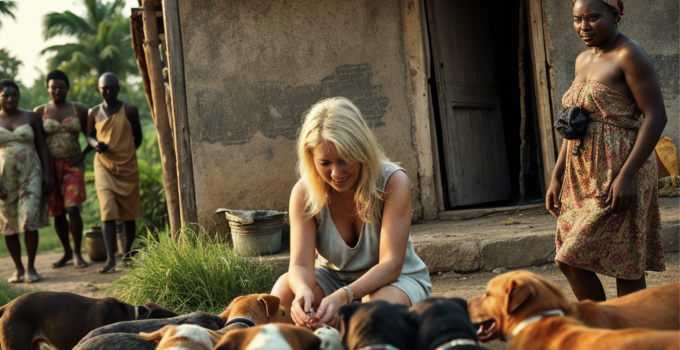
x=235 y=113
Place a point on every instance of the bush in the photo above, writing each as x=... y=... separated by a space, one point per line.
x=190 y=271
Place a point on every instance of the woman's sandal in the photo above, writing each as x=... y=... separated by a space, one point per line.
x=32 y=279
x=105 y=271
x=16 y=278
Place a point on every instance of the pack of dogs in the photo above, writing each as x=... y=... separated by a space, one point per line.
x=518 y=306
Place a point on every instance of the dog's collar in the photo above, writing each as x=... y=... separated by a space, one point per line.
x=380 y=347
x=524 y=324
x=246 y=321
x=456 y=342
x=136 y=312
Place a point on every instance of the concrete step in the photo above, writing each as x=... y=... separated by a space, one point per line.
x=511 y=239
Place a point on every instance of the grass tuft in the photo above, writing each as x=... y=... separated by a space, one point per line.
x=190 y=271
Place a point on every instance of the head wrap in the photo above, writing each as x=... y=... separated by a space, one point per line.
x=617 y=4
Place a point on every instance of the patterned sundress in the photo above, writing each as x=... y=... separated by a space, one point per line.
x=69 y=182
x=589 y=235
x=21 y=181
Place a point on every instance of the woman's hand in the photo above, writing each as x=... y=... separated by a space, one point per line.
x=622 y=193
x=47 y=183
x=552 y=198
x=301 y=305
x=101 y=147
x=328 y=308
x=76 y=161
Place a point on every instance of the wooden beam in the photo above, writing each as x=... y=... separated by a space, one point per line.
x=185 y=167
x=165 y=142
x=541 y=87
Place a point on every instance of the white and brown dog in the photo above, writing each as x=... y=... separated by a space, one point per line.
x=270 y=337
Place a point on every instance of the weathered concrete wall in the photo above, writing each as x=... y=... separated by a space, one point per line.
x=254 y=67
x=652 y=23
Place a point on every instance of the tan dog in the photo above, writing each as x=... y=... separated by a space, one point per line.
x=270 y=337
x=567 y=333
x=515 y=296
x=61 y=320
x=256 y=308
x=185 y=337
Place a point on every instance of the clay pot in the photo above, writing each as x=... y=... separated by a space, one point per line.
x=94 y=242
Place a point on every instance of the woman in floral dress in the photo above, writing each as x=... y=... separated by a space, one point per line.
x=63 y=122
x=22 y=179
x=604 y=188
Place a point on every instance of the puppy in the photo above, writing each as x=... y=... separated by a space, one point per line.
x=377 y=323
x=62 y=319
x=125 y=335
x=330 y=338
x=184 y=337
x=443 y=324
x=497 y=312
x=270 y=337
x=256 y=309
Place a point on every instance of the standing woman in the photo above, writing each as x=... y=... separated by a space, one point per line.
x=22 y=179
x=63 y=121
x=352 y=206
x=608 y=213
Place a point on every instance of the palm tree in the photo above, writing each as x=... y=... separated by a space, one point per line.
x=6 y=8
x=103 y=40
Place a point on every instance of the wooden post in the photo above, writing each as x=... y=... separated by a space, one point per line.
x=541 y=87
x=185 y=167
x=165 y=142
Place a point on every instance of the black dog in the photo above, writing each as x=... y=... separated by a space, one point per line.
x=376 y=323
x=443 y=324
x=125 y=335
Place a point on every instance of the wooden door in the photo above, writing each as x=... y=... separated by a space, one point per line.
x=472 y=125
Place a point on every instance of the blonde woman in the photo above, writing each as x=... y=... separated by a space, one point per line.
x=352 y=206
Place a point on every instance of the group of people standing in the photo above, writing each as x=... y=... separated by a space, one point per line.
x=42 y=170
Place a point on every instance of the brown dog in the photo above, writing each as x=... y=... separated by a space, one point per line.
x=567 y=333
x=515 y=296
x=255 y=309
x=270 y=337
x=62 y=319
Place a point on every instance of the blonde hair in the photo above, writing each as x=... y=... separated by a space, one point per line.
x=339 y=121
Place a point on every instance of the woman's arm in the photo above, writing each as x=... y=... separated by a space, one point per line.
x=301 y=275
x=41 y=148
x=81 y=114
x=394 y=233
x=91 y=132
x=552 y=197
x=644 y=84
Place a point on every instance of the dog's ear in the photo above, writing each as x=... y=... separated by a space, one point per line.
x=518 y=292
x=157 y=335
x=271 y=304
x=157 y=311
x=225 y=314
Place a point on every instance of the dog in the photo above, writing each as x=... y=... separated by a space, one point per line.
x=444 y=324
x=125 y=335
x=256 y=309
x=568 y=333
x=242 y=312
x=497 y=312
x=270 y=337
x=375 y=324
x=62 y=319
x=330 y=338
x=184 y=337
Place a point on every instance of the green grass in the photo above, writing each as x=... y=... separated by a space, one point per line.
x=190 y=272
x=8 y=292
x=47 y=242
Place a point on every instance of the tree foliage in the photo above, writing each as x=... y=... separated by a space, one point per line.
x=9 y=65
x=102 y=40
x=6 y=8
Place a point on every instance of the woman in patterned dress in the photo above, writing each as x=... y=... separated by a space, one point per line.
x=604 y=188
x=63 y=122
x=22 y=180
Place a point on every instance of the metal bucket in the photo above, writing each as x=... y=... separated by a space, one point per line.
x=94 y=243
x=255 y=232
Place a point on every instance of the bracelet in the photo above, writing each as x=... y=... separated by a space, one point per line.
x=350 y=294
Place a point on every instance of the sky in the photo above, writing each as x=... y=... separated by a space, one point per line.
x=23 y=36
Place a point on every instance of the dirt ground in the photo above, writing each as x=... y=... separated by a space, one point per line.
x=88 y=283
